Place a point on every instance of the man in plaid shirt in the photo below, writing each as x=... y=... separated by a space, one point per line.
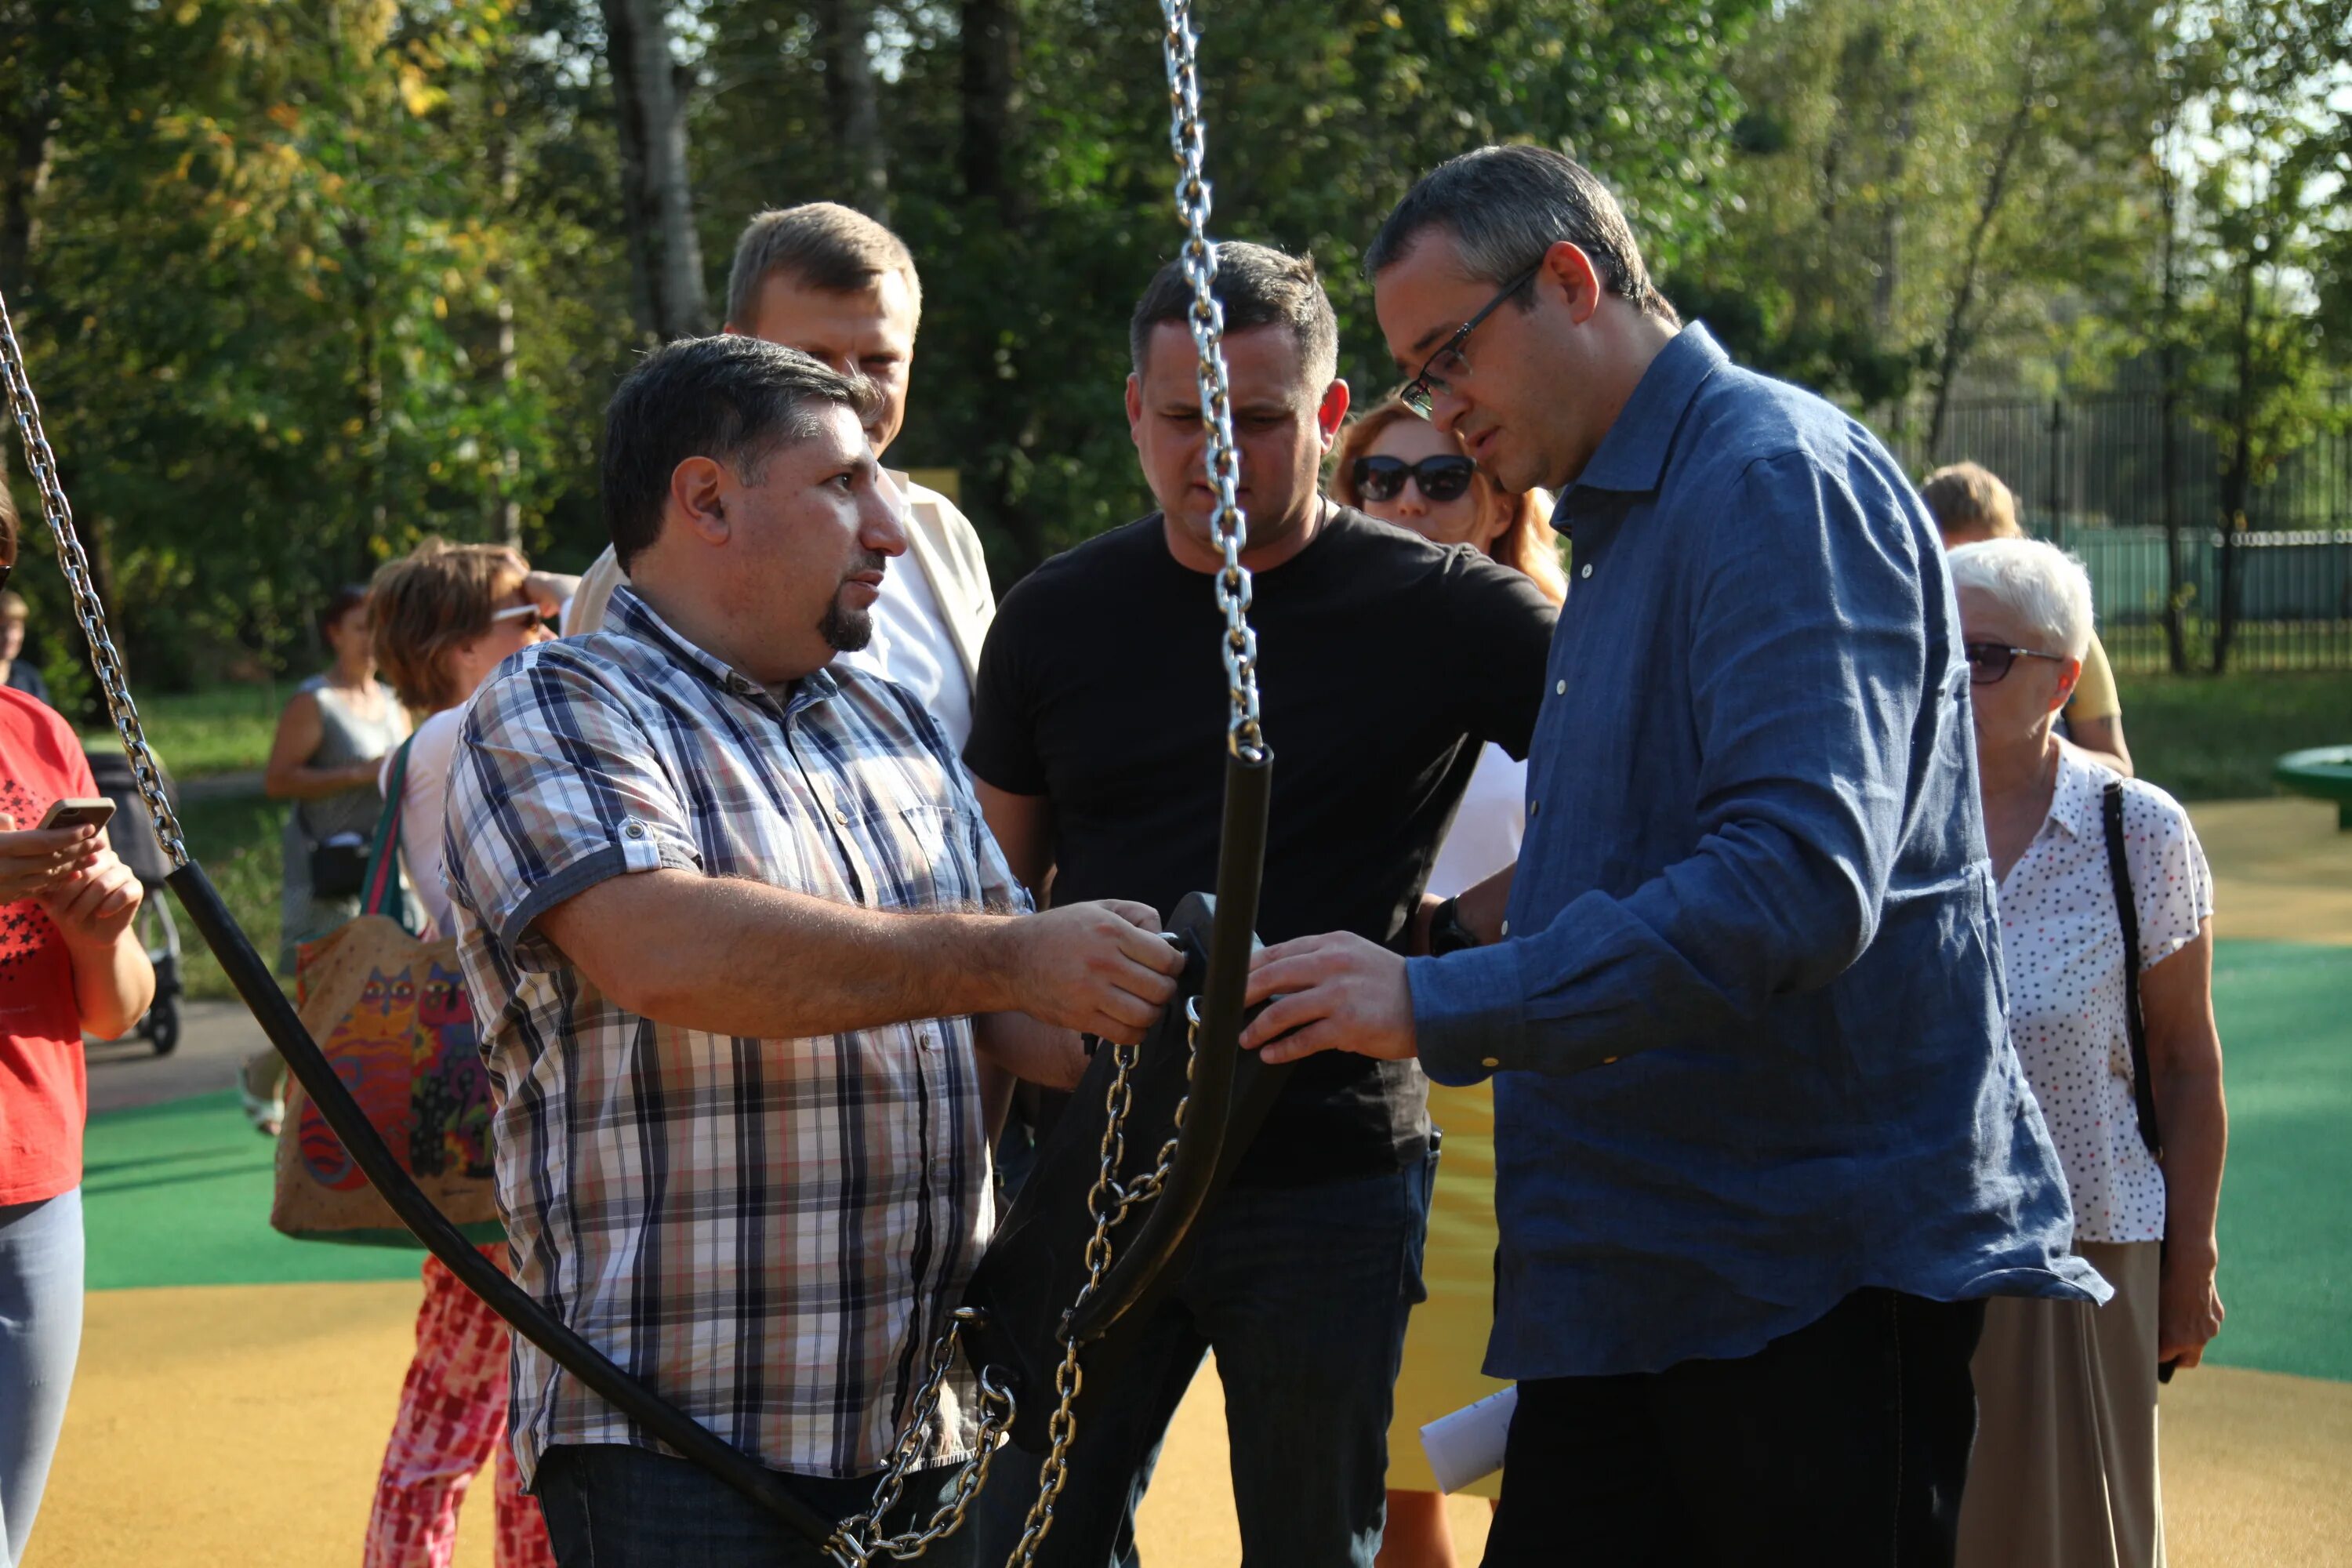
x=737 y=933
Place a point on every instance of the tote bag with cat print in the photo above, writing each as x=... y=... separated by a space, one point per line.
x=392 y=1014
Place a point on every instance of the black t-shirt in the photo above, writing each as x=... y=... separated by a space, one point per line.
x=1384 y=662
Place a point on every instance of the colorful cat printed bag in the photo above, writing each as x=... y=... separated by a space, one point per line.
x=392 y=1014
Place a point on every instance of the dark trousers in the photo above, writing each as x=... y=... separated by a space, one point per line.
x=612 y=1506
x=1846 y=1443
x=1303 y=1292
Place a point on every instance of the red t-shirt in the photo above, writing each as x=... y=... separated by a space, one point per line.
x=44 y=1092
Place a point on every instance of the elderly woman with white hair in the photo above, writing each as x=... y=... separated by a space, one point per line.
x=2121 y=1049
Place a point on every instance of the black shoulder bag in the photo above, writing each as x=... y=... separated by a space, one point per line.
x=2111 y=812
x=2111 y=808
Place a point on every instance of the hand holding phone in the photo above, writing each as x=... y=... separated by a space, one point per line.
x=35 y=861
x=91 y=811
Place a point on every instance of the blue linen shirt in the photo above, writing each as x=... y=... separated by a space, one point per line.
x=1747 y=1027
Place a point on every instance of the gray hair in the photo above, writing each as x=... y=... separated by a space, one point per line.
x=2036 y=581
x=1258 y=286
x=1505 y=207
x=823 y=245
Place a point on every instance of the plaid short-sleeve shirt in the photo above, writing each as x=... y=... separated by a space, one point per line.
x=769 y=1233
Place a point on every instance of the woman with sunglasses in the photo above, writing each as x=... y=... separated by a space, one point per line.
x=2065 y=1464
x=447 y=616
x=1396 y=466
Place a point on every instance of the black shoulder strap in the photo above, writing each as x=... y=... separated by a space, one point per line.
x=2111 y=810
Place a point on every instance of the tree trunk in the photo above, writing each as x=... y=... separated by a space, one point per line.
x=992 y=52
x=656 y=201
x=853 y=109
x=989 y=85
x=1958 y=333
x=2237 y=475
x=505 y=511
x=2167 y=436
x=1885 y=287
x=31 y=143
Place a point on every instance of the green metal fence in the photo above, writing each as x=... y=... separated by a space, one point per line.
x=2090 y=473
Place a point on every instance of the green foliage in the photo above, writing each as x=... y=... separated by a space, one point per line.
x=1318 y=120
x=196 y=734
x=1925 y=183
x=302 y=283
x=266 y=313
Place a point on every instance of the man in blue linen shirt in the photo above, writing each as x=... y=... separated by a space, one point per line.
x=1763 y=1144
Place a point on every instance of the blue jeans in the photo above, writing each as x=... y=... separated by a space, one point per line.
x=40 y=1337
x=1303 y=1293
x=611 y=1506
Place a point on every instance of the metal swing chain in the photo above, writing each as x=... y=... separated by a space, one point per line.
x=87 y=608
x=859 y=1540
x=1109 y=1201
x=1181 y=43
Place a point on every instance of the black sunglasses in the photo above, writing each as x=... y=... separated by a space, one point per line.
x=1441 y=370
x=1441 y=478
x=1990 y=662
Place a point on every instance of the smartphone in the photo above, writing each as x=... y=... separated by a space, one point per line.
x=95 y=812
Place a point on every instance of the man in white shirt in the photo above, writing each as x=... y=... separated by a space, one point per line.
x=842 y=288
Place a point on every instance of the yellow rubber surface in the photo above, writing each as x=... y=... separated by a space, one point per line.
x=219 y=1425
x=2282 y=871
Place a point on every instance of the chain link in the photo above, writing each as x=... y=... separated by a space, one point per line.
x=1109 y=1202
x=87 y=608
x=859 y=1538
x=1181 y=45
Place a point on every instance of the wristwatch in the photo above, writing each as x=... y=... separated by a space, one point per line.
x=1446 y=931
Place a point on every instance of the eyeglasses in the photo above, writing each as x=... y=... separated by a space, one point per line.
x=530 y=613
x=1990 y=663
x=1441 y=370
x=1441 y=478
x=5 y=571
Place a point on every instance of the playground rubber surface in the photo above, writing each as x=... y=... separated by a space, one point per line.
x=235 y=1387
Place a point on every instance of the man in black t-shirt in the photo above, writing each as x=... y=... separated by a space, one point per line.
x=1098 y=743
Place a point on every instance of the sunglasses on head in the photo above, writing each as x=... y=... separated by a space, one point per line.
x=1990 y=662
x=1441 y=478
x=530 y=613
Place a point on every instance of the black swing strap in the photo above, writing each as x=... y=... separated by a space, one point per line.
x=2111 y=816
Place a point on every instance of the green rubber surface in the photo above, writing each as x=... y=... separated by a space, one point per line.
x=179 y=1193
x=2285 y=1014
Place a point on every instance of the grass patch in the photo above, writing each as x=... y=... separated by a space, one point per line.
x=225 y=730
x=235 y=840
x=2216 y=737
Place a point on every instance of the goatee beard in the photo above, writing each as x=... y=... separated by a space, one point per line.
x=845 y=630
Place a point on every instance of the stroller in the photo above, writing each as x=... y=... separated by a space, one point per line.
x=133 y=837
